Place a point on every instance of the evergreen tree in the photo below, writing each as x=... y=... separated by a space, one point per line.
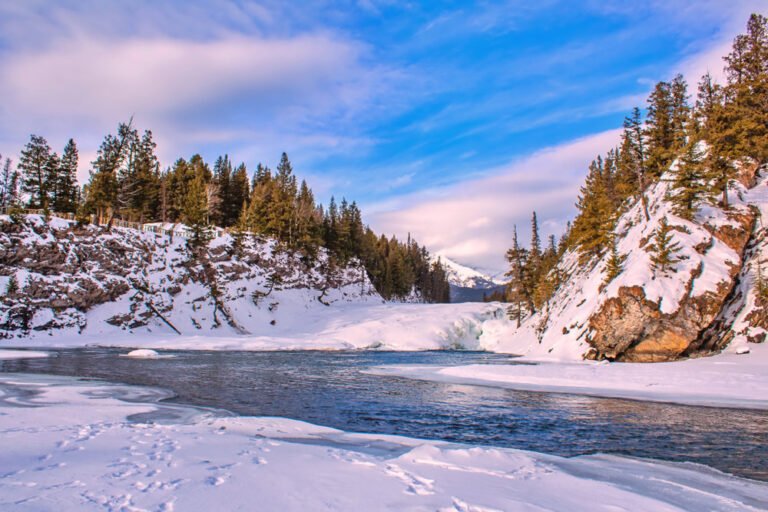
x=681 y=112
x=239 y=193
x=66 y=180
x=663 y=250
x=35 y=168
x=104 y=187
x=308 y=225
x=145 y=205
x=761 y=286
x=615 y=264
x=659 y=132
x=12 y=288
x=591 y=230
x=9 y=181
x=195 y=215
x=517 y=291
x=689 y=186
x=222 y=176
x=240 y=230
x=708 y=100
x=634 y=153
x=747 y=91
x=534 y=271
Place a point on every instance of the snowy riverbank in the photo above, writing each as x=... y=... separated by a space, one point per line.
x=341 y=327
x=724 y=380
x=68 y=445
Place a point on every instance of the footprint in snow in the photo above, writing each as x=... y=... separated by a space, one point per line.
x=415 y=484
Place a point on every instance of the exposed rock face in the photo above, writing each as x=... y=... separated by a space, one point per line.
x=629 y=327
x=64 y=272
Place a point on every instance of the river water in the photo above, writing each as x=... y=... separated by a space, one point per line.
x=331 y=389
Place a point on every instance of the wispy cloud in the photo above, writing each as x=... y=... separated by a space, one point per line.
x=472 y=220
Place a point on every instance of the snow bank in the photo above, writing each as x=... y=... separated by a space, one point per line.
x=727 y=380
x=342 y=327
x=21 y=354
x=142 y=353
x=74 y=450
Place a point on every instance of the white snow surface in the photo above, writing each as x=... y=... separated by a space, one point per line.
x=142 y=353
x=730 y=379
x=70 y=447
x=304 y=325
x=21 y=354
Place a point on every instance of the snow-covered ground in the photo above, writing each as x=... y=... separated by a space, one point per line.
x=68 y=445
x=726 y=380
x=16 y=354
x=341 y=327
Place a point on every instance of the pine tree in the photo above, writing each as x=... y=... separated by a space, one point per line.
x=689 y=187
x=591 y=230
x=634 y=152
x=741 y=125
x=534 y=271
x=239 y=193
x=240 y=230
x=681 y=113
x=659 y=131
x=517 y=291
x=35 y=168
x=663 y=250
x=9 y=181
x=615 y=263
x=708 y=100
x=66 y=180
x=12 y=288
x=222 y=176
x=761 y=286
x=195 y=215
x=104 y=186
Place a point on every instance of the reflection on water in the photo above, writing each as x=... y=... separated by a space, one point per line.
x=328 y=388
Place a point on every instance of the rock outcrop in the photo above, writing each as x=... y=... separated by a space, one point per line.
x=57 y=275
x=713 y=297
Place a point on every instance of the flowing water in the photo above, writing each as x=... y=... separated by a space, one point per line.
x=329 y=388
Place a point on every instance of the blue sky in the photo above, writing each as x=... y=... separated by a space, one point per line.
x=451 y=120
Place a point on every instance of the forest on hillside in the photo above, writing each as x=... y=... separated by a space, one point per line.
x=710 y=136
x=127 y=183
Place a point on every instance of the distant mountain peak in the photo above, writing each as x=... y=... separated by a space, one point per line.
x=465 y=276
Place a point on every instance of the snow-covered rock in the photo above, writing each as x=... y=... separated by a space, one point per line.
x=142 y=353
x=86 y=280
x=646 y=315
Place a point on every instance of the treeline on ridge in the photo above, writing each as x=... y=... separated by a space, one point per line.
x=126 y=182
x=726 y=126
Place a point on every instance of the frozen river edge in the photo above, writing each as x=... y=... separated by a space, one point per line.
x=75 y=445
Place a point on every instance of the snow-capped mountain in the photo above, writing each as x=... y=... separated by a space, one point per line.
x=467 y=277
x=468 y=284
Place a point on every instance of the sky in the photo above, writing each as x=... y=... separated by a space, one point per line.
x=451 y=121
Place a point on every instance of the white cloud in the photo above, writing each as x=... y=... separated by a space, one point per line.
x=101 y=78
x=472 y=221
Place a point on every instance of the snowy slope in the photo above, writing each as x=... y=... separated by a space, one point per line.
x=86 y=281
x=708 y=268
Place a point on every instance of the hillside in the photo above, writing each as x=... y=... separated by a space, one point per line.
x=706 y=302
x=90 y=280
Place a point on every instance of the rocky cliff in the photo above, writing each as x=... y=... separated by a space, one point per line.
x=56 y=276
x=711 y=299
